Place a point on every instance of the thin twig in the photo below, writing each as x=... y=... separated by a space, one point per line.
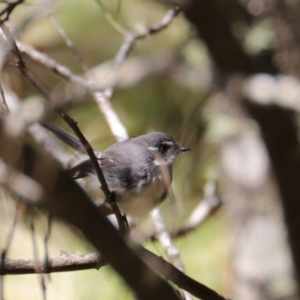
x=3 y=96
x=46 y=241
x=11 y=232
x=7 y=246
x=167 y=244
x=89 y=150
x=68 y=41
x=36 y=257
x=116 y=126
x=205 y=208
x=164 y=23
x=103 y=98
x=53 y=65
x=9 y=9
x=130 y=40
x=110 y=197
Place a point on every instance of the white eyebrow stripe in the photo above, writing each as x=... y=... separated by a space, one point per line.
x=168 y=143
x=151 y=148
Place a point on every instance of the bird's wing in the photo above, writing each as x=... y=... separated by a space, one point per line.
x=86 y=167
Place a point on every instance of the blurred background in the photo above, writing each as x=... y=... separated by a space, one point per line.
x=187 y=81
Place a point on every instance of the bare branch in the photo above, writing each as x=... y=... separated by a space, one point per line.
x=5 y=12
x=164 y=23
x=36 y=256
x=179 y=278
x=7 y=246
x=167 y=244
x=68 y=41
x=53 y=65
x=110 y=197
x=131 y=39
x=205 y=208
x=79 y=262
x=3 y=97
x=117 y=128
x=63 y=263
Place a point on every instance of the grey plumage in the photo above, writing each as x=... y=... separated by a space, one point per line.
x=138 y=170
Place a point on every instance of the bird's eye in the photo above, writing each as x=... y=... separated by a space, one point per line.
x=164 y=148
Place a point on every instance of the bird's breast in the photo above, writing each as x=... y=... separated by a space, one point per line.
x=137 y=202
x=140 y=203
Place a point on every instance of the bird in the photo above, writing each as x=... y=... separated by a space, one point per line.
x=138 y=170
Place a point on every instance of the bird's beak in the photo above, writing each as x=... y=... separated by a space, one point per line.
x=183 y=149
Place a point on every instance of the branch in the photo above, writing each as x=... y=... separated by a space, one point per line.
x=79 y=262
x=110 y=197
x=205 y=208
x=179 y=278
x=68 y=41
x=131 y=39
x=167 y=244
x=9 y=9
x=63 y=263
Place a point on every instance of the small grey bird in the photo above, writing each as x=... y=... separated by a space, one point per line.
x=137 y=170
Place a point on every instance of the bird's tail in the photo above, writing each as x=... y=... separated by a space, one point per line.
x=65 y=136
